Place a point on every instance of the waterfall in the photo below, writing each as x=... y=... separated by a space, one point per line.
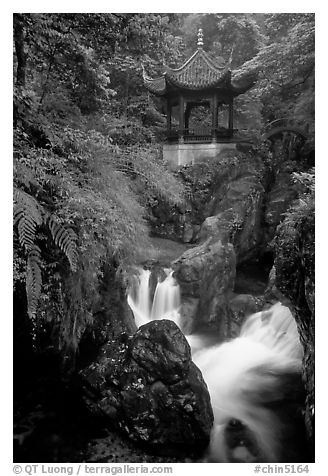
x=166 y=301
x=250 y=379
x=276 y=329
x=254 y=380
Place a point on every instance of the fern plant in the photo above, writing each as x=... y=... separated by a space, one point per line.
x=64 y=238
x=29 y=216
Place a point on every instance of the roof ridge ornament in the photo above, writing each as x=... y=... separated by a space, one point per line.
x=199 y=73
x=200 y=42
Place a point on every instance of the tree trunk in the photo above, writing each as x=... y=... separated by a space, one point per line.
x=126 y=105
x=19 y=47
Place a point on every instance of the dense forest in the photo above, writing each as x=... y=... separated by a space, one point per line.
x=88 y=165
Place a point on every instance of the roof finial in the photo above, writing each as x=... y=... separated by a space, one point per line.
x=200 y=42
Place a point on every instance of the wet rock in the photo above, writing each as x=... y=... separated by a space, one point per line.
x=147 y=385
x=188 y=232
x=294 y=265
x=235 y=209
x=241 y=306
x=218 y=227
x=230 y=188
x=112 y=317
x=278 y=201
x=273 y=294
x=163 y=351
x=206 y=273
x=188 y=310
x=157 y=275
x=239 y=217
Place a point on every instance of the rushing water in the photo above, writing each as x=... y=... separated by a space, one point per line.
x=165 y=304
x=251 y=378
x=248 y=378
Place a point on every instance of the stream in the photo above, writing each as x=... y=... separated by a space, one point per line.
x=244 y=375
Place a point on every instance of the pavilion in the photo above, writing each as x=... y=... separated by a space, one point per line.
x=199 y=82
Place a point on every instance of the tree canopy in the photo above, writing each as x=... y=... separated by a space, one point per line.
x=87 y=135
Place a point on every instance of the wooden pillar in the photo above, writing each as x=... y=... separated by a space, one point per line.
x=187 y=116
x=230 y=126
x=214 y=116
x=181 y=118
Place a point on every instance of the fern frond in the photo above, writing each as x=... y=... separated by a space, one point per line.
x=27 y=216
x=33 y=280
x=65 y=239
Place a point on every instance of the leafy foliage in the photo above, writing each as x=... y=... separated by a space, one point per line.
x=298 y=219
x=87 y=162
x=240 y=37
x=285 y=66
x=303 y=209
x=64 y=239
x=29 y=215
x=294 y=246
x=33 y=280
x=84 y=177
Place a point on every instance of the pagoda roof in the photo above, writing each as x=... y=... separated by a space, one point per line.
x=156 y=86
x=198 y=73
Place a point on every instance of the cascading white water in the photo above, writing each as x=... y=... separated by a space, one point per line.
x=166 y=301
x=141 y=304
x=245 y=376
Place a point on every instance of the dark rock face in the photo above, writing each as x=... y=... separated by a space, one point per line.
x=238 y=215
x=206 y=276
x=294 y=269
x=112 y=318
x=148 y=386
x=234 y=198
x=174 y=222
x=233 y=183
x=278 y=201
x=235 y=207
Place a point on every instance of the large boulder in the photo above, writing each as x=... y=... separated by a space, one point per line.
x=148 y=386
x=206 y=275
x=234 y=210
x=238 y=216
x=219 y=227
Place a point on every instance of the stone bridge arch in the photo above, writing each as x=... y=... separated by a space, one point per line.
x=286 y=131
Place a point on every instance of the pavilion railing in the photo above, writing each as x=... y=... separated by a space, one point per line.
x=200 y=135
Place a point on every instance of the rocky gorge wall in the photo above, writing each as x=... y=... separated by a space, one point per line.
x=238 y=197
x=295 y=278
x=234 y=205
x=235 y=215
x=232 y=214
